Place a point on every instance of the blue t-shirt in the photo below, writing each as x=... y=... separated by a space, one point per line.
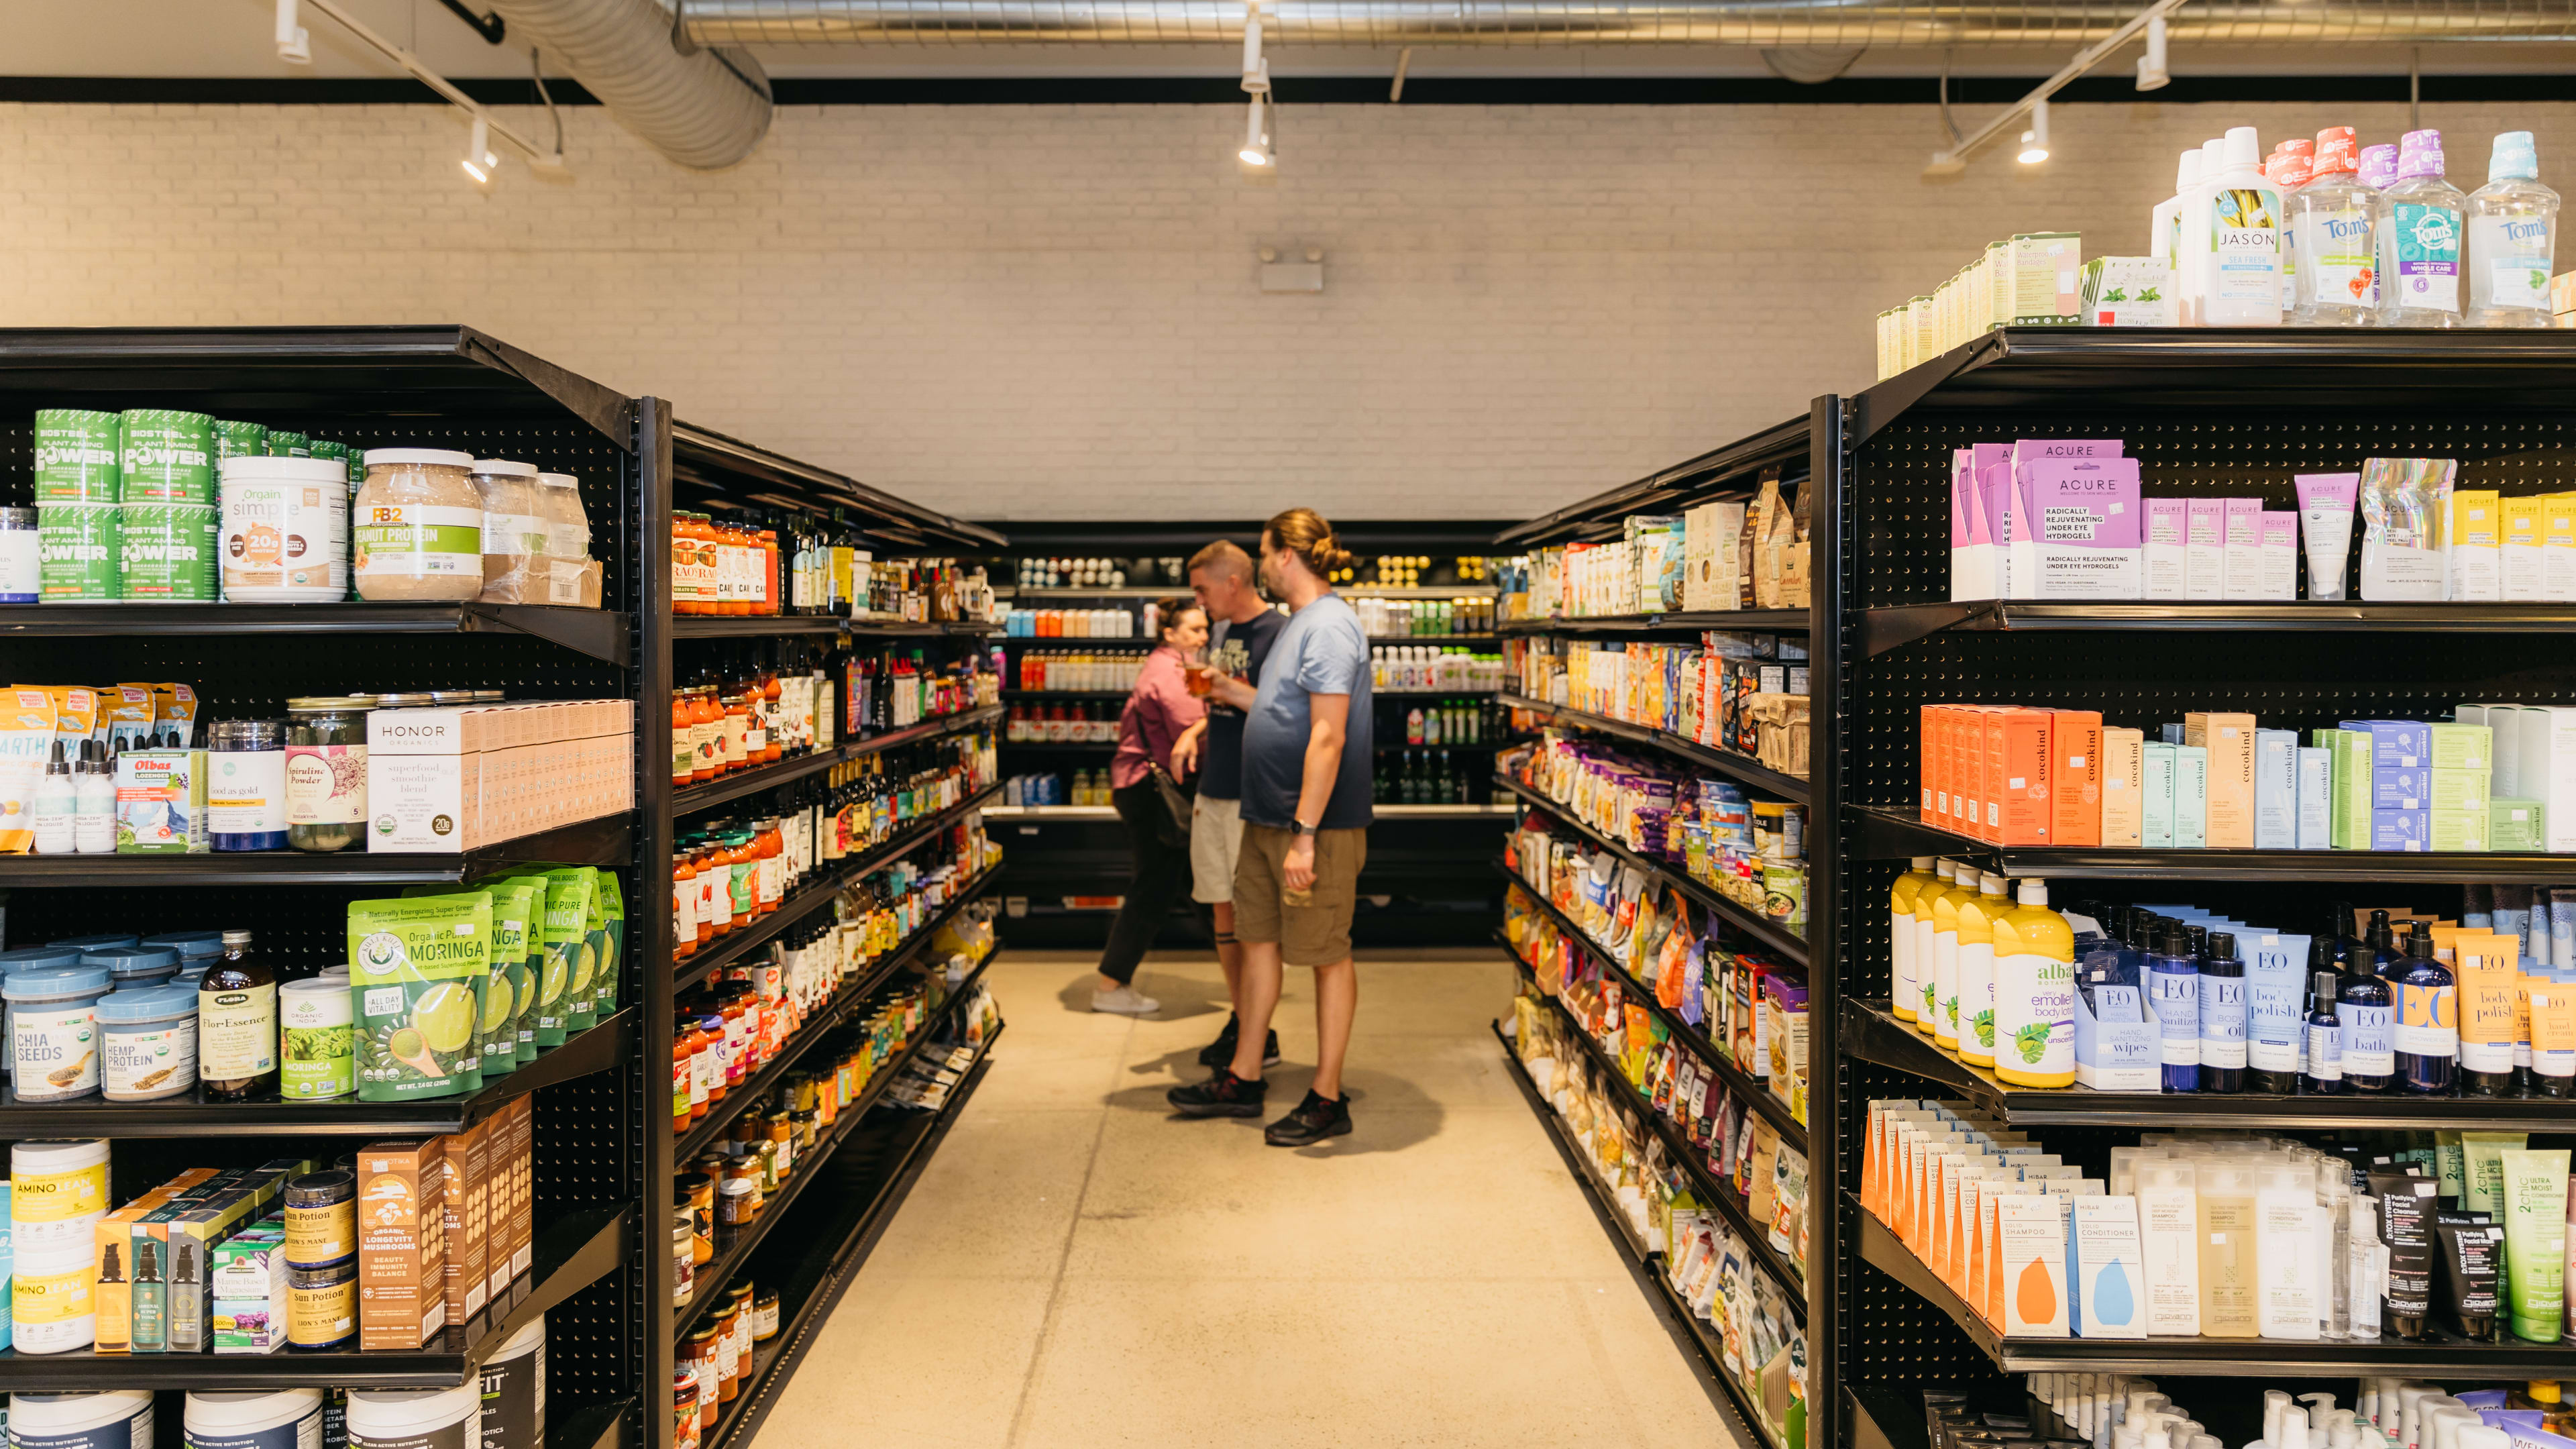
x=1238 y=649
x=1322 y=650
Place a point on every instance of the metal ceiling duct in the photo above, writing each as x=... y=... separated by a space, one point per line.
x=1759 y=23
x=701 y=108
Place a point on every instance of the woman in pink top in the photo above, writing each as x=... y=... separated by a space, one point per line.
x=1161 y=725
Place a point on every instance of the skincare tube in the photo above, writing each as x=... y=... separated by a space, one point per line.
x=2406 y=1229
x=2325 y=518
x=2535 y=1242
x=2484 y=1169
x=2472 y=1247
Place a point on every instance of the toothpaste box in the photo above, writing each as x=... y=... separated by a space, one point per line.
x=161 y=803
x=2091 y=544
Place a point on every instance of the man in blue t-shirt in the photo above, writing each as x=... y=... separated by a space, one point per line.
x=1305 y=806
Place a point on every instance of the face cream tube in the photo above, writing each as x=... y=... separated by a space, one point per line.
x=2406 y=1205
x=2535 y=1241
x=2325 y=517
x=2470 y=1246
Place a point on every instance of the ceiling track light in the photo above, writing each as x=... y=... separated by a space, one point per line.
x=480 y=162
x=2152 y=75
x=2034 y=142
x=1256 y=66
x=1257 y=157
x=294 y=42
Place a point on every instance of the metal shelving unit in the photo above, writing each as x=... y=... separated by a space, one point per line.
x=1771 y=934
x=1736 y=766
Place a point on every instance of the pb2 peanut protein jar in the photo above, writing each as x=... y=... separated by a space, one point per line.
x=417 y=533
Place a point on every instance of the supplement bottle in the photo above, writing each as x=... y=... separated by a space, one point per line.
x=237 y=1024
x=2513 y=234
x=2423 y=216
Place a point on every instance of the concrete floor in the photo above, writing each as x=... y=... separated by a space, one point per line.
x=1079 y=1268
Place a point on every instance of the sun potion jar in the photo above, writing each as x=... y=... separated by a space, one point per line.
x=326 y=771
x=246 y=784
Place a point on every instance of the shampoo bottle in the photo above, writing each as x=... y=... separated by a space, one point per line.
x=2175 y=996
x=1900 y=935
x=1925 y=946
x=2169 y=1228
x=2427 y=1034
x=2423 y=216
x=2243 y=261
x=2513 y=231
x=2222 y=1016
x=1976 y=1001
x=2034 y=993
x=2331 y=217
x=2227 y=1255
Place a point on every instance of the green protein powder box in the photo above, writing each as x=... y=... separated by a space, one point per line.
x=76 y=456
x=166 y=552
x=78 y=556
x=169 y=457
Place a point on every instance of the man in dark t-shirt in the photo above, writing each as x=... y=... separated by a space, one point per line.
x=1240 y=627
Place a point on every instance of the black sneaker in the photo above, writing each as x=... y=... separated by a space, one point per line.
x=1223 y=1095
x=1220 y=1052
x=1314 y=1120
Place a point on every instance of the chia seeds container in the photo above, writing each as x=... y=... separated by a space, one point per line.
x=76 y=456
x=168 y=457
x=166 y=552
x=78 y=553
x=132 y=968
x=22 y=566
x=53 y=1031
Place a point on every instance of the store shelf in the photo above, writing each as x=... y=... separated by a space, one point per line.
x=605 y=1045
x=735 y=1248
x=1585 y=1169
x=1870 y=1032
x=714 y=463
x=573 y=1249
x=876 y=1171
x=2438 y=1357
x=1772 y=935
x=1730 y=469
x=1751 y=1090
x=1149 y=591
x=600 y=633
x=1873 y=833
x=769 y=626
x=690 y=799
x=1680 y=624
x=1891 y=628
x=1741 y=767
x=606 y=841
x=1882 y=1419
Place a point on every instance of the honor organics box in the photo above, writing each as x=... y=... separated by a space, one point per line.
x=455 y=779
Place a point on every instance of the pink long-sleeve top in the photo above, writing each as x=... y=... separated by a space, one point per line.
x=1158 y=710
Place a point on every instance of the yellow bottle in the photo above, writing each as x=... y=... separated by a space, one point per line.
x=1941 y=988
x=1972 y=1010
x=1900 y=935
x=1944 y=874
x=2034 y=993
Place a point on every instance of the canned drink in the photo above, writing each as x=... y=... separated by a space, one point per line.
x=78 y=555
x=167 y=552
x=77 y=455
x=169 y=457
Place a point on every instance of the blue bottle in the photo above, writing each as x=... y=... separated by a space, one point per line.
x=2387 y=961
x=2427 y=1034
x=2173 y=990
x=2321 y=1074
x=2222 y=1016
x=2364 y=1008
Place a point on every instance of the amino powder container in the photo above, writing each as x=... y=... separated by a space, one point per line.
x=284 y=535
x=514 y=1391
x=415 y=1418
x=166 y=552
x=169 y=457
x=255 y=1419
x=76 y=455
x=52 y=1303
x=118 y=1419
x=57 y=1193
x=22 y=569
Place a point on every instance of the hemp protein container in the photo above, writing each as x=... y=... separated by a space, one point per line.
x=417 y=534
x=147 y=1042
x=284 y=534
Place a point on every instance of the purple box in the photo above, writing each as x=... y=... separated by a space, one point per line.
x=2394 y=743
x=2090 y=528
x=2401 y=830
x=2401 y=787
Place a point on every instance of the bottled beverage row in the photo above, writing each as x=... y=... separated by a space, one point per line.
x=796 y=564
x=1408 y=668
x=1471 y=722
x=1171 y=570
x=1401 y=777
x=738 y=718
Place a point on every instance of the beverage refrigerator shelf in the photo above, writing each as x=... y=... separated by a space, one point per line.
x=710 y=1130
x=1890 y=628
x=591 y=1426
x=1707 y=1355
x=724 y=950
x=573 y=1250
x=2442 y=1357
x=1739 y=1081
x=757 y=626
x=1148 y=591
x=606 y=841
x=1430 y=693
x=1782 y=620
x=1106 y=812
x=1771 y=934
x=1870 y=1032
x=1743 y=768
x=1888 y=835
x=607 y=1044
x=735 y=1248
x=689 y=799
x=1705 y=1185
x=600 y=633
x=879 y=1175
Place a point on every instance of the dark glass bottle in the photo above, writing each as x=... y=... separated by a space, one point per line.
x=2364 y=1007
x=2222 y=1016
x=2428 y=1018
x=2174 y=993
x=237 y=1025
x=2385 y=959
x=2321 y=1075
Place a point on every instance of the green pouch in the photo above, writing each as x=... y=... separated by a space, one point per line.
x=529 y=970
x=571 y=960
x=413 y=968
x=612 y=951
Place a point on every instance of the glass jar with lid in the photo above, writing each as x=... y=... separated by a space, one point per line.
x=417 y=535
x=326 y=770
x=514 y=533
x=575 y=576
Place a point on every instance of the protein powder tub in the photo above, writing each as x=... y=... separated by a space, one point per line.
x=22 y=566
x=120 y=1419
x=284 y=537
x=76 y=455
x=255 y=1419
x=514 y=533
x=319 y=1057
x=53 y=1031
x=514 y=1391
x=133 y=968
x=53 y=1305
x=168 y=457
x=567 y=540
x=78 y=556
x=415 y=1418
x=166 y=552
x=148 y=1042
x=417 y=533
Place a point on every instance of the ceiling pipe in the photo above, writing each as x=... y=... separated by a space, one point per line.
x=704 y=110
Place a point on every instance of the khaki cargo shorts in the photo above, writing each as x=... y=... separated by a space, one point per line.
x=1315 y=931
x=1216 y=838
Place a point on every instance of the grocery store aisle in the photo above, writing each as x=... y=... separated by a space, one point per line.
x=1079 y=1268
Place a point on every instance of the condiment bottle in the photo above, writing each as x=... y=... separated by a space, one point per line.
x=237 y=1025
x=684 y=754
x=684 y=908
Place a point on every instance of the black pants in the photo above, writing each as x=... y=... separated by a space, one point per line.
x=1160 y=876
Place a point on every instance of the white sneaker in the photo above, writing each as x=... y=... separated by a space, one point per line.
x=1125 y=1002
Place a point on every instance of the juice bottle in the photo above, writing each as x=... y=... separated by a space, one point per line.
x=737 y=731
x=684 y=555
x=772 y=848
x=1941 y=992
x=2034 y=993
x=770 y=695
x=1974 y=1010
x=711 y=921
x=1900 y=934
x=768 y=560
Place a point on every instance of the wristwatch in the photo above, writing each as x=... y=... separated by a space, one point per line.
x=1300 y=827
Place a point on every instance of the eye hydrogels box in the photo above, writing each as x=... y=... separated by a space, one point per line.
x=2090 y=543
x=413 y=964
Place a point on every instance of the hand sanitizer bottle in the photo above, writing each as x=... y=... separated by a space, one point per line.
x=2423 y=215
x=2513 y=232
x=2331 y=216
x=2242 y=259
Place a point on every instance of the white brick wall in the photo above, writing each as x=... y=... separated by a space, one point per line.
x=1051 y=311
